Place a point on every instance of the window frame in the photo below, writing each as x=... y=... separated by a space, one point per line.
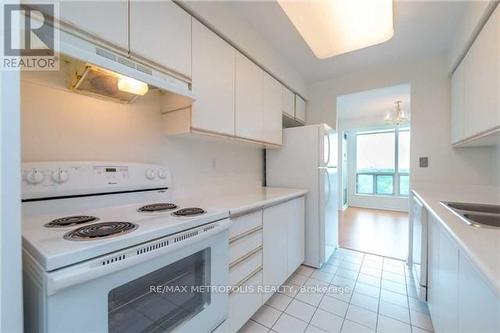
x=396 y=175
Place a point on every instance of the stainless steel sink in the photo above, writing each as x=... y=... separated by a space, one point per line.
x=492 y=220
x=477 y=215
x=471 y=207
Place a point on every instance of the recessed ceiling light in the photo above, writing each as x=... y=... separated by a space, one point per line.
x=333 y=27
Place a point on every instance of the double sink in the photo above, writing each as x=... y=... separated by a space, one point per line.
x=476 y=215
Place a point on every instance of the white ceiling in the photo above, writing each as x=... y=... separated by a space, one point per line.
x=422 y=29
x=373 y=103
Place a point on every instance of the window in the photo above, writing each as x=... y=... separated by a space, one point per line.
x=383 y=162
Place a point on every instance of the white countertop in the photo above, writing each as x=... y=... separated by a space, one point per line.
x=245 y=199
x=481 y=245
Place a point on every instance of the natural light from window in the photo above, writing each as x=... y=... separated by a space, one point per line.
x=383 y=162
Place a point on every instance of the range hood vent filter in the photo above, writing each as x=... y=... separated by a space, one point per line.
x=95 y=81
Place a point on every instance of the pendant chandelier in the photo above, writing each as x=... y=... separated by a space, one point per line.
x=398 y=118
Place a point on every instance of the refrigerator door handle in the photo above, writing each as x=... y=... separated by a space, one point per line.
x=329 y=185
x=329 y=149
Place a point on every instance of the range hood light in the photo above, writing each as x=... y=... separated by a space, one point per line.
x=132 y=86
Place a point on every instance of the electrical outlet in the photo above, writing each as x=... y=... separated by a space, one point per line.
x=423 y=162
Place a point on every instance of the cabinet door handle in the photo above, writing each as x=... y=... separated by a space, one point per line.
x=245 y=280
x=245 y=234
x=245 y=257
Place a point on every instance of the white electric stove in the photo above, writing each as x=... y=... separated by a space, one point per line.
x=108 y=241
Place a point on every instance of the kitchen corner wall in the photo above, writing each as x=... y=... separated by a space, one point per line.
x=430 y=120
x=61 y=125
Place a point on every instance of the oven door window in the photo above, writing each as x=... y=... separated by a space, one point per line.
x=161 y=300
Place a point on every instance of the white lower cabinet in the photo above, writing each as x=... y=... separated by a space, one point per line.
x=275 y=227
x=295 y=234
x=459 y=299
x=443 y=278
x=478 y=306
x=283 y=231
x=245 y=270
x=266 y=247
x=243 y=305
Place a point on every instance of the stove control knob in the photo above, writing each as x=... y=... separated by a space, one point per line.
x=34 y=177
x=150 y=174
x=60 y=176
x=162 y=173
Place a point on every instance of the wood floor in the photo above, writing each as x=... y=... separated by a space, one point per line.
x=375 y=231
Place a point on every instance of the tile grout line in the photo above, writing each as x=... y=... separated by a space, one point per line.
x=298 y=300
x=350 y=299
x=321 y=300
x=380 y=293
x=342 y=259
x=407 y=300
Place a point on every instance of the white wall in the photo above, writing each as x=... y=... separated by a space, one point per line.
x=430 y=118
x=233 y=27
x=11 y=316
x=61 y=125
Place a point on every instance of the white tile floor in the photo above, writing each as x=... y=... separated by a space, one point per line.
x=353 y=292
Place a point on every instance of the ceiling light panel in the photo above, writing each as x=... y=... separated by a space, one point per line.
x=333 y=27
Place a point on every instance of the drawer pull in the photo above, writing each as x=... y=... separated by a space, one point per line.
x=245 y=257
x=245 y=234
x=245 y=280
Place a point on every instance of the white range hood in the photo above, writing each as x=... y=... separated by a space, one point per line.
x=91 y=62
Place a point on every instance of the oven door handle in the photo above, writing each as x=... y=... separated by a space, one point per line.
x=90 y=270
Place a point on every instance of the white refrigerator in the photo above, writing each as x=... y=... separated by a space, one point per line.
x=308 y=159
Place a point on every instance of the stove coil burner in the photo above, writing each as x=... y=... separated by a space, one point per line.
x=158 y=207
x=69 y=221
x=189 y=212
x=100 y=231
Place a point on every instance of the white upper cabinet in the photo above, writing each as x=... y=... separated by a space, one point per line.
x=287 y=102
x=212 y=82
x=160 y=31
x=272 y=123
x=248 y=99
x=458 y=105
x=300 y=109
x=105 y=20
x=475 y=97
x=482 y=79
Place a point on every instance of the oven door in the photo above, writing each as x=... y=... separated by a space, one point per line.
x=167 y=289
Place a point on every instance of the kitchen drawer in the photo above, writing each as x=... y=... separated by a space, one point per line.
x=245 y=244
x=240 y=270
x=245 y=223
x=242 y=306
